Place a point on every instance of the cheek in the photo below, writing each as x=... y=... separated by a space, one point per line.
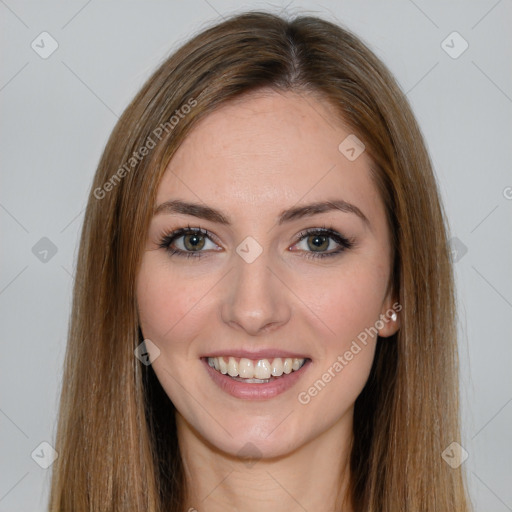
x=167 y=303
x=346 y=302
x=154 y=303
x=349 y=306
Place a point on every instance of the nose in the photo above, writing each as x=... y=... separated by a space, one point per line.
x=255 y=299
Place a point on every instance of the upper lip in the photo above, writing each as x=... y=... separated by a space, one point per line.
x=264 y=353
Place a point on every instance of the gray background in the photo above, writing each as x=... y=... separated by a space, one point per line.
x=56 y=115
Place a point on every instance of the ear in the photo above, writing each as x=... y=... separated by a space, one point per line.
x=389 y=320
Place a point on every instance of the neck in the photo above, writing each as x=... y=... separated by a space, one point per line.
x=315 y=476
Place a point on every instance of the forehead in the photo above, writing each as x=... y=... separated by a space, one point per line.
x=267 y=149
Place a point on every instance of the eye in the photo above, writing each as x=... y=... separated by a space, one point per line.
x=188 y=242
x=315 y=242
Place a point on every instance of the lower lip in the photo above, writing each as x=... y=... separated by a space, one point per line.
x=255 y=391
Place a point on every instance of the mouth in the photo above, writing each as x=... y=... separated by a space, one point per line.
x=255 y=379
x=255 y=371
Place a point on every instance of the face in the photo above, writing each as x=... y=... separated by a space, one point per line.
x=252 y=274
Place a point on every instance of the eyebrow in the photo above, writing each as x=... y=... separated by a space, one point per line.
x=297 y=212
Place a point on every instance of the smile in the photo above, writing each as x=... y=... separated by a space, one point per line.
x=261 y=370
x=255 y=379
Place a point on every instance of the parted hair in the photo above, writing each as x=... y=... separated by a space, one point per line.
x=116 y=433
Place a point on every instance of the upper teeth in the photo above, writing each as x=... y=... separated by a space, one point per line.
x=260 y=369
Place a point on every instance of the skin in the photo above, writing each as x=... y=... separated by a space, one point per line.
x=251 y=159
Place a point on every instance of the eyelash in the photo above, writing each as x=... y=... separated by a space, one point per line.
x=168 y=238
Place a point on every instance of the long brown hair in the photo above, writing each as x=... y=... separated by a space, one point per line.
x=116 y=436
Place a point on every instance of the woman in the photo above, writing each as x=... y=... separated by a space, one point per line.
x=265 y=235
